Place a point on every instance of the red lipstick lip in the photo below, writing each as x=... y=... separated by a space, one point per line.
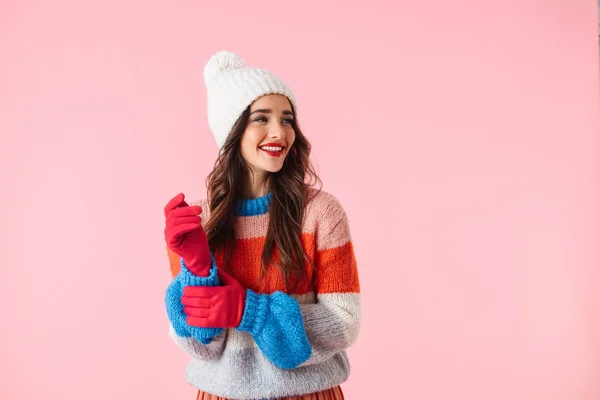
x=273 y=153
x=273 y=145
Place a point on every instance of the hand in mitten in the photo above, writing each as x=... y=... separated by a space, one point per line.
x=274 y=320
x=185 y=278
x=185 y=236
x=215 y=306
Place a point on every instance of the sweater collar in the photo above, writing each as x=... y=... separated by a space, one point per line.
x=253 y=207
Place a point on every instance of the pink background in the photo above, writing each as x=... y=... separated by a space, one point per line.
x=462 y=137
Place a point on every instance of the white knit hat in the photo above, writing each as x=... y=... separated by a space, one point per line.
x=231 y=86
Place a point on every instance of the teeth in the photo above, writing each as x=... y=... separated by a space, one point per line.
x=270 y=148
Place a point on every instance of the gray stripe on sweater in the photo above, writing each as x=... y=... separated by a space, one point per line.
x=233 y=366
x=198 y=350
x=247 y=374
x=332 y=324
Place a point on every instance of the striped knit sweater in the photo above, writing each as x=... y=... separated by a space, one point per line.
x=288 y=343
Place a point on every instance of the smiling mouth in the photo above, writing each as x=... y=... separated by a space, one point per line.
x=273 y=151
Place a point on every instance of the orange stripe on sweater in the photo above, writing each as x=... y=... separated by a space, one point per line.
x=337 y=271
x=174 y=263
x=246 y=263
x=336 y=268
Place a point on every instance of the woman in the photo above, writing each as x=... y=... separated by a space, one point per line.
x=265 y=296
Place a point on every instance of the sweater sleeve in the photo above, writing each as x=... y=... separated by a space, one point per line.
x=203 y=343
x=332 y=324
x=275 y=322
x=292 y=334
x=196 y=349
x=195 y=341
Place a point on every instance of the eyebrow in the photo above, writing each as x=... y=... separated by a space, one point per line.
x=268 y=111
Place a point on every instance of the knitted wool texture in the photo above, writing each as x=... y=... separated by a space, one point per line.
x=231 y=86
x=289 y=343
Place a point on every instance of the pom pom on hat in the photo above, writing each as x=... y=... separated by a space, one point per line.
x=220 y=62
x=232 y=86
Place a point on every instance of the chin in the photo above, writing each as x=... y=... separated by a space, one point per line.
x=273 y=169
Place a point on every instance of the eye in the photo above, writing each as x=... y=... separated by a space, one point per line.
x=288 y=121
x=260 y=119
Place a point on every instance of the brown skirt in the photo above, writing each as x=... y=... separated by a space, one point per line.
x=329 y=394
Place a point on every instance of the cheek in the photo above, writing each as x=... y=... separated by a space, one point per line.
x=250 y=140
x=291 y=138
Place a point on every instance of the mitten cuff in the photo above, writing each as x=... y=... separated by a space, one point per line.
x=189 y=279
x=255 y=312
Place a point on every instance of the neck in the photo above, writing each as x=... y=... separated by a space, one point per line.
x=258 y=186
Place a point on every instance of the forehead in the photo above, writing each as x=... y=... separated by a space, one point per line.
x=277 y=102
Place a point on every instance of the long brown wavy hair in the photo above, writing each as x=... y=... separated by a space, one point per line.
x=291 y=188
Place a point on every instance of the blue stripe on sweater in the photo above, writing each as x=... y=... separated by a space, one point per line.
x=175 y=307
x=253 y=207
x=275 y=322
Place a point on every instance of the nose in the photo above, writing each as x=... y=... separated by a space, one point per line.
x=275 y=130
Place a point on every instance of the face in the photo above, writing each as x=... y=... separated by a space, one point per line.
x=269 y=135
